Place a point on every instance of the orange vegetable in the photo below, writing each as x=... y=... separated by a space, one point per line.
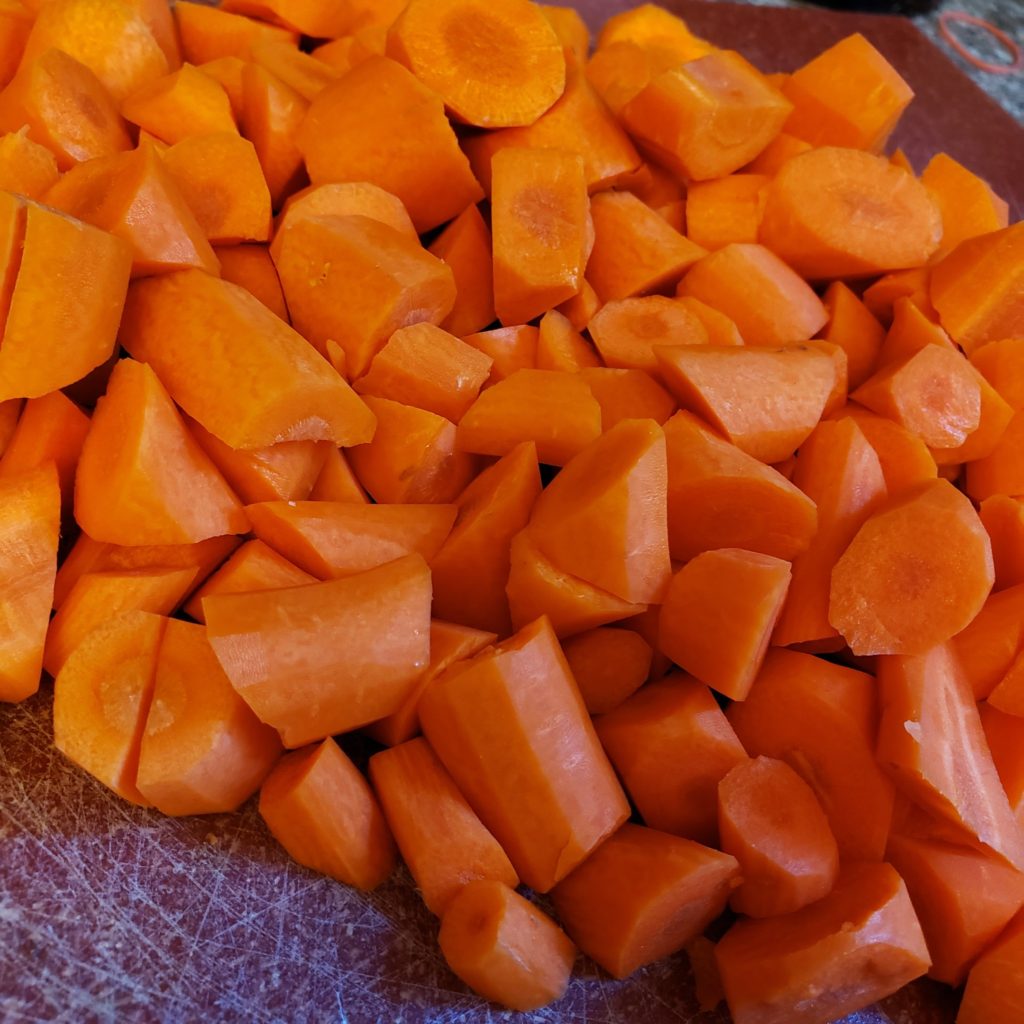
x=910 y=332
x=986 y=648
x=671 y=745
x=725 y=210
x=510 y=349
x=915 y=574
x=642 y=896
x=15 y=24
x=1008 y=695
x=1004 y=734
x=336 y=481
x=308 y=17
x=655 y=30
x=377 y=623
x=770 y=820
x=626 y=394
x=209 y=33
x=251 y=267
x=1002 y=470
x=608 y=665
x=994 y=992
x=323 y=812
x=854 y=329
x=718 y=616
x=416 y=793
x=465 y=245
x=1002 y=365
x=228 y=72
x=967 y=203
x=1003 y=519
x=512 y=729
x=881 y=297
x=561 y=347
x=860 y=943
x=177 y=106
x=721 y=329
x=160 y=22
x=782 y=148
x=570 y=28
x=25 y=166
x=299 y=71
x=504 y=948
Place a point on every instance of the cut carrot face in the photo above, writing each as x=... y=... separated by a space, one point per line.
x=608 y=665
x=1003 y=519
x=986 y=648
x=416 y=792
x=142 y=479
x=322 y=811
x=910 y=332
x=209 y=33
x=504 y=948
x=509 y=348
x=521 y=76
x=378 y=623
x=228 y=72
x=721 y=329
x=622 y=70
x=251 y=268
x=336 y=481
x=570 y=28
x=916 y=573
x=561 y=347
x=1002 y=365
x=656 y=31
x=466 y=246
x=26 y=167
x=671 y=745
x=1004 y=735
x=625 y=331
x=967 y=203
x=627 y=395
x=860 y=943
x=299 y=71
x=725 y=210
x=913 y=285
x=782 y=148
x=642 y=896
x=852 y=327
x=548 y=795
x=184 y=103
x=308 y=17
x=203 y=751
x=718 y=616
x=995 y=991
x=1002 y=470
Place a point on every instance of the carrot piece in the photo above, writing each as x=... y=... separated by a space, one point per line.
x=570 y=28
x=622 y=70
x=509 y=79
x=1002 y=470
x=1004 y=734
x=299 y=71
x=184 y=103
x=51 y=428
x=881 y=297
x=15 y=25
x=994 y=992
x=203 y=751
x=510 y=349
x=10 y=413
x=767 y=301
x=860 y=943
x=228 y=72
x=322 y=811
x=1008 y=694
x=782 y=148
x=134 y=196
x=916 y=573
x=994 y=418
x=413 y=457
x=771 y=822
x=841 y=385
x=565 y=799
x=251 y=267
x=656 y=30
x=967 y=203
x=626 y=394
x=209 y=33
x=25 y=166
x=671 y=745
x=712 y=486
x=415 y=792
x=721 y=329
x=504 y=948
x=910 y=332
x=1002 y=365
x=795 y=382
x=202 y=336
x=380 y=124
x=718 y=615
x=471 y=568
x=1003 y=519
x=338 y=53
x=308 y=17
x=853 y=328
x=609 y=665
x=336 y=481
x=725 y=210
x=377 y=622
x=371 y=14
x=160 y=22
x=987 y=647
x=561 y=347
x=625 y=331
x=142 y=478
x=253 y=566
x=635 y=250
x=465 y=245
x=642 y=896
x=708 y=117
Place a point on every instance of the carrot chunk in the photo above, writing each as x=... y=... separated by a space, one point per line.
x=725 y=210
x=184 y=103
x=1005 y=737
x=995 y=990
x=465 y=245
x=209 y=33
x=967 y=203
x=625 y=331
x=509 y=348
x=26 y=167
x=608 y=665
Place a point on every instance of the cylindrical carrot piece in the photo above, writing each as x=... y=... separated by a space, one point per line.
x=504 y=948
x=608 y=665
x=916 y=573
x=642 y=896
x=323 y=812
x=443 y=843
x=770 y=820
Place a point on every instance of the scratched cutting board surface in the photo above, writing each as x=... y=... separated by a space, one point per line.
x=109 y=913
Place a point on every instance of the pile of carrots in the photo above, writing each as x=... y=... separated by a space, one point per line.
x=616 y=437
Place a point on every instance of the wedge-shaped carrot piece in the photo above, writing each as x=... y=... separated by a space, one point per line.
x=336 y=481
x=429 y=368
x=1002 y=364
x=1001 y=471
x=299 y=71
x=603 y=518
x=1003 y=519
x=916 y=573
x=228 y=72
x=881 y=297
x=331 y=540
x=635 y=250
x=642 y=896
x=967 y=203
x=625 y=394
x=377 y=622
x=202 y=336
x=203 y=751
x=323 y=812
x=625 y=331
x=987 y=647
x=548 y=795
x=465 y=245
x=308 y=17
x=413 y=456
x=926 y=701
x=160 y=22
x=101 y=699
x=551 y=408
x=656 y=30
x=725 y=210
x=98 y=596
x=911 y=331
x=718 y=616
x=840 y=472
x=184 y=103
x=708 y=117
x=504 y=948
x=142 y=478
x=860 y=943
x=712 y=486
x=608 y=665
x=807 y=215
x=253 y=566
x=472 y=567
x=415 y=792
x=251 y=267
x=509 y=348
x=561 y=347
x=381 y=124
x=994 y=418
x=995 y=987
x=26 y=167
x=1005 y=737
x=133 y=196
x=208 y=33
x=793 y=382
x=770 y=820
x=852 y=327
x=766 y=300
x=721 y=329
x=828 y=95
x=782 y=148
x=622 y=70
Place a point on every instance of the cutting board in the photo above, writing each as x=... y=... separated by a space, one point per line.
x=110 y=913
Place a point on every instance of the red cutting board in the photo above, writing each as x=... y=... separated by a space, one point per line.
x=109 y=913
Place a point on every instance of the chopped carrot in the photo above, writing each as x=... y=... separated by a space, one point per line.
x=561 y=347
x=910 y=332
x=570 y=28
x=184 y=103
x=308 y=17
x=1004 y=734
x=608 y=665
x=465 y=245
x=336 y=481
x=15 y=25
x=160 y=21
x=881 y=297
x=626 y=394
x=1002 y=365
x=625 y=331
x=782 y=148
x=26 y=167
x=209 y=33
x=725 y=210
x=251 y=267
x=1008 y=694
x=967 y=203
x=721 y=329
x=228 y=72
x=1003 y=519
x=654 y=29
x=995 y=991
x=987 y=646
x=300 y=71
x=853 y=328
